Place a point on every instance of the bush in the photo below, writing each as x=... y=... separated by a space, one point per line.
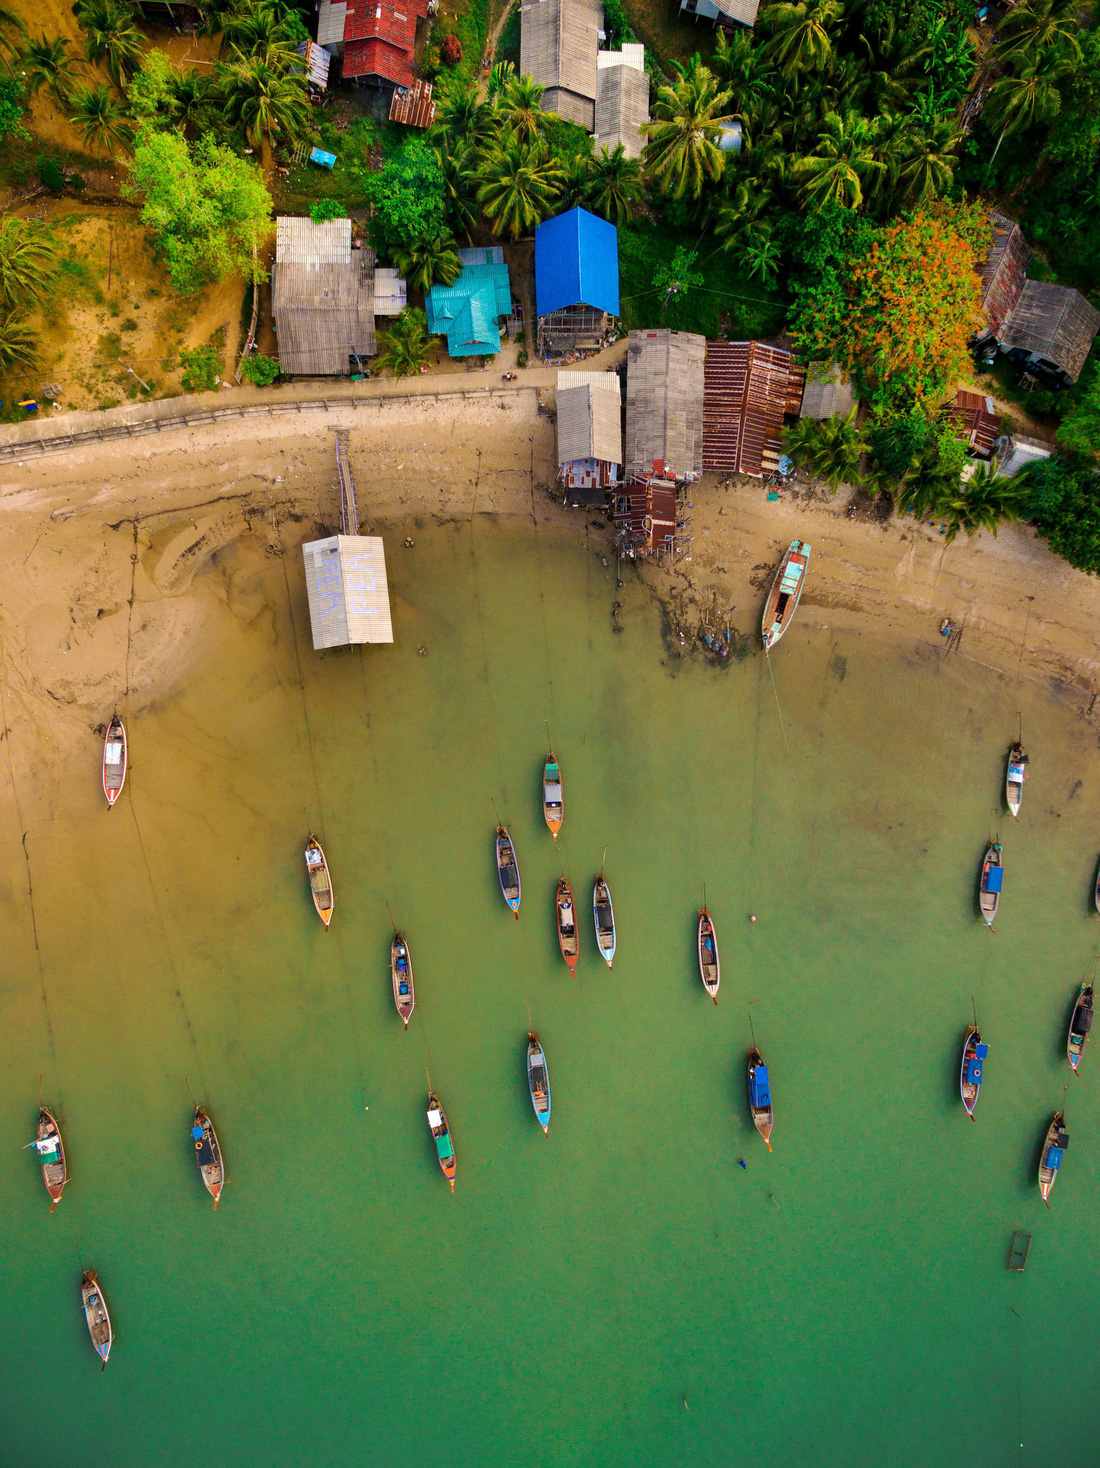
x=1064 y=506
x=49 y=171
x=260 y=371
x=200 y=369
x=326 y=209
x=450 y=51
x=522 y=358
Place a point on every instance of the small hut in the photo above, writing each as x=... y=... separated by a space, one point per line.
x=349 y=599
x=622 y=99
x=975 y=420
x=576 y=283
x=1050 y=329
x=828 y=392
x=590 y=436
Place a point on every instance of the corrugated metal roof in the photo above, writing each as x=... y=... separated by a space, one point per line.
x=749 y=388
x=390 y=293
x=468 y=310
x=976 y=421
x=324 y=314
x=349 y=600
x=482 y=255
x=739 y=10
x=1005 y=270
x=828 y=393
x=317 y=62
x=413 y=105
x=664 y=404
x=558 y=40
x=1054 y=322
x=590 y=423
x=1015 y=452
x=576 y=263
x=647 y=509
x=622 y=106
x=298 y=241
x=574 y=377
x=331 y=16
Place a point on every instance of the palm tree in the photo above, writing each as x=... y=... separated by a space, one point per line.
x=1029 y=96
x=405 y=349
x=18 y=344
x=828 y=448
x=895 y=58
x=616 y=184
x=500 y=76
x=429 y=258
x=266 y=103
x=982 y=501
x=48 y=64
x=926 y=160
x=253 y=30
x=461 y=118
x=520 y=107
x=194 y=96
x=12 y=32
x=762 y=254
x=100 y=118
x=520 y=185
x=1036 y=24
x=844 y=160
x=459 y=187
x=800 y=39
x=927 y=485
x=738 y=64
x=110 y=37
x=576 y=181
x=688 y=117
x=28 y=259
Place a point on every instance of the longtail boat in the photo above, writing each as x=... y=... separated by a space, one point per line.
x=441 y=1135
x=603 y=915
x=51 y=1154
x=401 y=972
x=990 y=882
x=114 y=759
x=552 y=808
x=970 y=1073
x=1079 y=1025
x=208 y=1155
x=566 y=918
x=1096 y=889
x=97 y=1315
x=320 y=883
x=538 y=1080
x=508 y=871
x=710 y=965
x=1015 y=776
x=760 y=1097
x=785 y=594
x=1054 y=1149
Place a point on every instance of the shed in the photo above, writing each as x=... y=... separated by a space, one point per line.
x=664 y=405
x=590 y=436
x=390 y=292
x=349 y=600
x=322 y=298
x=729 y=14
x=1015 y=452
x=976 y=421
x=468 y=312
x=576 y=282
x=558 y=41
x=1051 y=327
x=646 y=516
x=622 y=99
x=828 y=392
x=1005 y=270
x=413 y=105
x=749 y=389
x=315 y=64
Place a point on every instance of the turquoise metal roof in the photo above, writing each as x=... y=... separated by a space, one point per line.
x=467 y=311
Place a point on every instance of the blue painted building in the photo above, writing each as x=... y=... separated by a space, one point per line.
x=468 y=313
x=576 y=283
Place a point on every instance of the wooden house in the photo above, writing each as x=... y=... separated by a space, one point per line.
x=558 y=41
x=748 y=391
x=322 y=298
x=976 y=421
x=576 y=284
x=590 y=434
x=664 y=405
x=622 y=100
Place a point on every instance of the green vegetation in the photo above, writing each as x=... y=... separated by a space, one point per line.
x=406 y=348
x=829 y=448
x=259 y=370
x=408 y=197
x=11 y=109
x=326 y=209
x=1064 y=506
x=201 y=369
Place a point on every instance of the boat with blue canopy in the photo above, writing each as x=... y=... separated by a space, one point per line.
x=1079 y=1025
x=553 y=808
x=785 y=594
x=990 y=883
x=1015 y=776
x=50 y=1150
x=538 y=1080
x=760 y=1096
x=401 y=974
x=508 y=870
x=970 y=1075
x=1055 y=1144
x=441 y=1136
x=96 y=1315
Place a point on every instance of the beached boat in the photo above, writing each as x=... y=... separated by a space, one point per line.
x=760 y=1097
x=785 y=594
x=97 y=1315
x=1015 y=777
x=538 y=1080
x=1055 y=1144
x=208 y=1155
x=603 y=915
x=552 y=808
x=114 y=759
x=508 y=871
x=1096 y=889
x=320 y=883
x=51 y=1154
x=970 y=1073
x=441 y=1135
x=401 y=972
x=710 y=965
x=566 y=918
x=1079 y=1025
x=989 y=883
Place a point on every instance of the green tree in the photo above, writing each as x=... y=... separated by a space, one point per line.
x=207 y=208
x=1033 y=26
x=201 y=369
x=462 y=119
x=827 y=448
x=520 y=186
x=1020 y=100
x=406 y=348
x=520 y=108
x=676 y=277
x=408 y=195
x=682 y=154
x=429 y=259
x=762 y=254
x=101 y=120
x=615 y=189
x=256 y=31
x=800 y=40
x=576 y=181
x=110 y=37
x=925 y=161
x=326 y=209
x=981 y=502
x=844 y=162
x=11 y=108
x=1079 y=432
x=18 y=344
x=1063 y=503
x=47 y=63
x=268 y=103
x=28 y=261
x=458 y=172
x=259 y=370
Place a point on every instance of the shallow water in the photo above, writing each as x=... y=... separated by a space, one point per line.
x=621 y=1292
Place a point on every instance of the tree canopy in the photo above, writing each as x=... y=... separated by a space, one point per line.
x=408 y=198
x=1064 y=506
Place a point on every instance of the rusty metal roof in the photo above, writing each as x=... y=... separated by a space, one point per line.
x=413 y=105
x=748 y=389
x=1005 y=269
x=976 y=420
x=1054 y=322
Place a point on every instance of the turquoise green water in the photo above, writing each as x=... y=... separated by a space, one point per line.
x=841 y=1301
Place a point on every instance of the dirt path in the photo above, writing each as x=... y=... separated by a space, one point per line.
x=495 y=32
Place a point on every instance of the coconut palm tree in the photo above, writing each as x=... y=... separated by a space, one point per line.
x=827 y=448
x=110 y=37
x=18 y=344
x=928 y=484
x=923 y=161
x=255 y=30
x=461 y=118
x=1034 y=25
x=459 y=167
x=48 y=64
x=844 y=161
x=761 y=254
x=520 y=107
x=13 y=32
x=406 y=348
x=688 y=116
x=616 y=184
x=500 y=76
x=100 y=118
x=895 y=59
x=739 y=66
x=194 y=98
x=800 y=39
x=576 y=181
x=520 y=186
x=429 y=258
x=266 y=103
x=982 y=501
x=1029 y=96
x=28 y=259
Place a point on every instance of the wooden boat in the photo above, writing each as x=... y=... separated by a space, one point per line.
x=401 y=972
x=760 y=1097
x=970 y=1073
x=508 y=871
x=785 y=594
x=208 y=1155
x=320 y=883
x=1096 y=889
x=565 y=915
x=114 y=759
x=1015 y=777
x=51 y=1154
x=552 y=807
x=1055 y=1144
x=441 y=1134
x=989 y=883
x=603 y=915
x=538 y=1080
x=710 y=965
x=1079 y=1025
x=97 y=1315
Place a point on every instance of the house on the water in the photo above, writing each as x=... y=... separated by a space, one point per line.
x=749 y=389
x=558 y=41
x=469 y=312
x=322 y=298
x=576 y=283
x=622 y=99
x=376 y=39
x=590 y=435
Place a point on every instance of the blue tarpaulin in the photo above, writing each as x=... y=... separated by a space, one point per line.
x=981 y=1051
x=576 y=263
x=326 y=160
x=758 y=1087
x=994 y=879
x=1054 y=1158
x=974 y=1072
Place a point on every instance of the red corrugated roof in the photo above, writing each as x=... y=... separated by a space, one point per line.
x=748 y=388
x=380 y=37
x=976 y=420
x=376 y=58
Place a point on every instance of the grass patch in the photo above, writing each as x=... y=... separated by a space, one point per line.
x=508 y=45
x=667 y=39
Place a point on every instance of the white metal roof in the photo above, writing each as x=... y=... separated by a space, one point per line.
x=349 y=599
x=331 y=15
x=608 y=380
x=298 y=241
x=390 y=294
